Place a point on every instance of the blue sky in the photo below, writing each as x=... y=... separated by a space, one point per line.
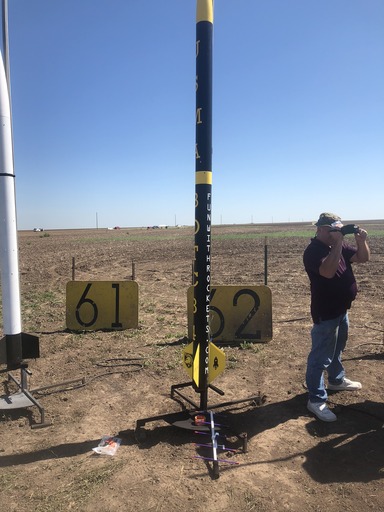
x=103 y=98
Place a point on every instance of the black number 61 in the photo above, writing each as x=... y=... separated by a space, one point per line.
x=84 y=300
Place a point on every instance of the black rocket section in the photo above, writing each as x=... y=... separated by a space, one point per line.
x=203 y=198
x=14 y=348
x=204 y=33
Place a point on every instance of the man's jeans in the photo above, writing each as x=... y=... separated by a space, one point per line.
x=329 y=338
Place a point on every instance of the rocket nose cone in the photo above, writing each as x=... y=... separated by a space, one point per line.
x=204 y=10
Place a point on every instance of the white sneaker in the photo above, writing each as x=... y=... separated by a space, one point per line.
x=346 y=385
x=321 y=410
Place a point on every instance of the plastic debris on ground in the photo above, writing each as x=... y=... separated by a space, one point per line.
x=108 y=445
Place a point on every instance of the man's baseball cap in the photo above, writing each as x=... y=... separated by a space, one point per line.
x=329 y=219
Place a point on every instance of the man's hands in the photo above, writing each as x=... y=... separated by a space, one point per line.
x=363 y=253
x=336 y=238
x=361 y=236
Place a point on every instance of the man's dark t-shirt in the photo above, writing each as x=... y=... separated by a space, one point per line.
x=329 y=297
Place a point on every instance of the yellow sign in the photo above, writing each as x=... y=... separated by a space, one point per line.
x=216 y=362
x=102 y=305
x=237 y=313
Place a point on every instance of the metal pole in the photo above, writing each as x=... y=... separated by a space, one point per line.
x=265 y=261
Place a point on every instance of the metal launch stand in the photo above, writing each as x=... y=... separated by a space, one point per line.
x=188 y=419
x=184 y=418
x=24 y=398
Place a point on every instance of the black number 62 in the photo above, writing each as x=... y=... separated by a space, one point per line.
x=239 y=334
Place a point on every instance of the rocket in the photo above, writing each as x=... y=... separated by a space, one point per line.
x=201 y=353
x=15 y=345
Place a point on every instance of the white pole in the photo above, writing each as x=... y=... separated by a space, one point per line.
x=15 y=345
x=8 y=227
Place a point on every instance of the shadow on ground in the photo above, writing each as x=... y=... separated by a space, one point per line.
x=348 y=450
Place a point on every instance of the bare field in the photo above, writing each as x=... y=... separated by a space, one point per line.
x=293 y=461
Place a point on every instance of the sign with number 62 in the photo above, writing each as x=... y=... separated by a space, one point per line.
x=237 y=313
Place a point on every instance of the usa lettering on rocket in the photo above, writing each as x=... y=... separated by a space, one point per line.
x=202 y=360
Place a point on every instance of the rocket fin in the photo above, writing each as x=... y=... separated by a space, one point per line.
x=216 y=362
x=16 y=347
x=191 y=362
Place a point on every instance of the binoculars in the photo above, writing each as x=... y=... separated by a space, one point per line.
x=348 y=229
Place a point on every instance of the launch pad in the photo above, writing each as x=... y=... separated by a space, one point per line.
x=202 y=422
x=23 y=398
x=183 y=418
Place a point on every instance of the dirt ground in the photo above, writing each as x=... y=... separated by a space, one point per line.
x=293 y=461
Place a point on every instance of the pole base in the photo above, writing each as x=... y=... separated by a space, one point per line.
x=23 y=398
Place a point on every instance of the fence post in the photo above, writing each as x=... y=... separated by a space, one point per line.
x=265 y=261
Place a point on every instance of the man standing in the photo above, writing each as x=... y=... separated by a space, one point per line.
x=327 y=261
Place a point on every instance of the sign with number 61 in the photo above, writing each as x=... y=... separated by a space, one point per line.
x=237 y=313
x=102 y=305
